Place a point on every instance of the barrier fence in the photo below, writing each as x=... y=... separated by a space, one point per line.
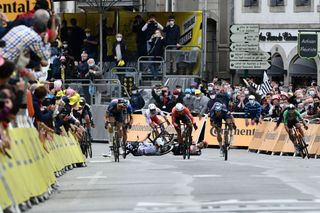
x=29 y=169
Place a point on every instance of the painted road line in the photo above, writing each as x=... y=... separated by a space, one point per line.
x=206 y=176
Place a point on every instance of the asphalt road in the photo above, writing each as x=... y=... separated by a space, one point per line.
x=248 y=182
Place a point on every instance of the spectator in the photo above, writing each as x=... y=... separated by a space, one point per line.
x=64 y=31
x=120 y=50
x=172 y=32
x=162 y=99
x=30 y=39
x=91 y=45
x=94 y=74
x=175 y=98
x=76 y=39
x=82 y=67
x=212 y=101
x=240 y=105
x=149 y=28
x=200 y=103
x=157 y=43
x=38 y=97
x=136 y=100
x=189 y=99
x=67 y=69
x=140 y=35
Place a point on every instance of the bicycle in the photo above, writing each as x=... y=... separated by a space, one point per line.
x=225 y=145
x=86 y=145
x=300 y=143
x=187 y=141
x=115 y=142
x=166 y=139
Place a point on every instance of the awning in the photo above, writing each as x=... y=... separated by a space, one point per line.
x=299 y=70
x=275 y=71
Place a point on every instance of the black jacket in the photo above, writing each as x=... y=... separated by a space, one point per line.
x=157 y=45
x=172 y=34
x=137 y=102
x=123 y=48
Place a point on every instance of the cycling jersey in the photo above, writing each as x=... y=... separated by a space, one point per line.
x=153 y=117
x=291 y=119
x=118 y=115
x=217 y=118
x=185 y=117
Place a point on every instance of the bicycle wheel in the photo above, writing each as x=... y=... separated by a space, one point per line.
x=85 y=145
x=89 y=142
x=116 y=147
x=304 y=147
x=124 y=148
x=225 y=145
x=189 y=141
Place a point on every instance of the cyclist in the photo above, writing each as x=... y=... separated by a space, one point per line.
x=119 y=113
x=86 y=113
x=291 y=118
x=152 y=116
x=183 y=114
x=252 y=110
x=218 y=112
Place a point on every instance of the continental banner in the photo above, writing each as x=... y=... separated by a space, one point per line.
x=13 y=8
x=140 y=129
x=242 y=135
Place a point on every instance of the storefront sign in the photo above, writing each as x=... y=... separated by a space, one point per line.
x=250 y=56
x=250 y=65
x=308 y=45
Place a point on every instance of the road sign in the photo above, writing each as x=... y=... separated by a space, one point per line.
x=243 y=38
x=244 y=28
x=308 y=45
x=249 y=56
x=243 y=47
x=250 y=65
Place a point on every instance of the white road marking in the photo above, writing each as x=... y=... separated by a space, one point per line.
x=206 y=176
x=98 y=161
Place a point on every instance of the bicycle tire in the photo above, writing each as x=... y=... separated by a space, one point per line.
x=304 y=147
x=89 y=148
x=85 y=145
x=124 y=148
x=116 y=148
x=225 y=145
x=189 y=141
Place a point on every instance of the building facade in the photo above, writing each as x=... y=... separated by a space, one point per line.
x=280 y=22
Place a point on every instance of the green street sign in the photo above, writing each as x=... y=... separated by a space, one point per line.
x=308 y=45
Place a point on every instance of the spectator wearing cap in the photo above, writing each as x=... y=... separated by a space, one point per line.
x=189 y=99
x=90 y=44
x=200 y=103
x=119 y=51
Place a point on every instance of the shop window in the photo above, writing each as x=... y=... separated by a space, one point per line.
x=251 y=3
x=300 y=3
x=274 y=3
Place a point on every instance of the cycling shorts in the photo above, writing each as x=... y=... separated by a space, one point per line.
x=218 y=120
x=184 y=119
x=292 y=123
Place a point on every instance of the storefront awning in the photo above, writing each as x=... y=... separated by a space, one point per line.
x=299 y=70
x=275 y=71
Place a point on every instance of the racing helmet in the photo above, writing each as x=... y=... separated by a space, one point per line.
x=218 y=107
x=179 y=107
x=152 y=108
x=122 y=102
x=291 y=107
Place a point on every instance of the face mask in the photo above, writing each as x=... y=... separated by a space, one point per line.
x=188 y=95
x=312 y=93
x=246 y=92
x=229 y=93
x=88 y=34
x=91 y=65
x=119 y=39
x=212 y=96
x=171 y=23
x=158 y=35
x=65 y=46
x=210 y=88
x=251 y=102
x=134 y=92
x=198 y=98
x=193 y=89
x=179 y=90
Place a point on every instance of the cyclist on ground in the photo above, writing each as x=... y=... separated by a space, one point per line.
x=218 y=112
x=152 y=116
x=291 y=118
x=119 y=113
x=253 y=111
x=183 y=114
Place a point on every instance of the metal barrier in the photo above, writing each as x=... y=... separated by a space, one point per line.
x=100 y=90
x=151 y=67
x=183 y=61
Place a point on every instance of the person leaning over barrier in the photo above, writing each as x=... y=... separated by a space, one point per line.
x=252 y=110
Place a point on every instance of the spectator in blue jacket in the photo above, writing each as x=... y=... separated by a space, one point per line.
x=252 y=110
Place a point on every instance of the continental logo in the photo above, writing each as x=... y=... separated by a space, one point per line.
x=13 y=8
x=240 y=132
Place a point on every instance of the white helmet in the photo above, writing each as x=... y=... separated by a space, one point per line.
x=159 y=142
x=152 y=107
x=179 y=107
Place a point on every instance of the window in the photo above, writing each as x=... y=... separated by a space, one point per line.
x=303 y=2
x=250 y=3
x=274 y=3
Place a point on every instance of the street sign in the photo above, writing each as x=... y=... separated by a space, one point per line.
x=244 y=28
x=245 y=38
x=243 y=47
x=250 y=65
x=249 y=56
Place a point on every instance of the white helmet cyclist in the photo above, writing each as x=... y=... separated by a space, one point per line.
x=291 y=107
x=179 y=107
x=152 y=108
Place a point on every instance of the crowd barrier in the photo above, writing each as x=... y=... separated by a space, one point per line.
x=29 y=168
x=267 y=139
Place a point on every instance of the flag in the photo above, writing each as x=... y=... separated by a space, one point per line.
x=263 y=88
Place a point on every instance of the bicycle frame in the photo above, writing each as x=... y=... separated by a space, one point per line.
x=187 y=140
x=300 y=143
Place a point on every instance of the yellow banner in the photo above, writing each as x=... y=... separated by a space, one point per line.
x=13 y=8
x=242 y=135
